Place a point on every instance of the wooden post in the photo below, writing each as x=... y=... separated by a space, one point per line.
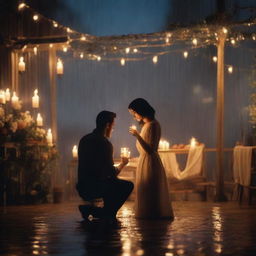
x=220 y=196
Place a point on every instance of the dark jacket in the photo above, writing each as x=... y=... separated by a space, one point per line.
x=95 y=159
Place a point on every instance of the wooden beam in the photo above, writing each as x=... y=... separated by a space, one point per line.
x=220 y=196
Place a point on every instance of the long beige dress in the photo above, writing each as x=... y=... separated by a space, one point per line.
x=152 y=195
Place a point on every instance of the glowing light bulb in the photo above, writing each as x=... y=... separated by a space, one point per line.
x=254 y=37
x=115 y=48
x=233 y=41
x=60 y=68
x=135 y=50
x=65 y=49
x=155 y=59
x=81 y=55
x=185 y=54
x=68 y=30
x=230 y=69
x=83 y=38
x=225 y=31
x=98 y=58
x=50 y=45
x=214 y=58
x=167 y=40
x=35 y=17
x=21 y=6
x=122 y=61
x=127 y=50
x=169 y=34
x=194 y=41
x=55 y=24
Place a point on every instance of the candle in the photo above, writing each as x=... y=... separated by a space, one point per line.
x=22 y=65
x=74 y=152
x=35 y=99
x=2 y=97
x=49 y=137
x=39 y=120
x=7 y=94
x=125 y=152
x=59 y=67
x=164 y=145
x=134 y=127
x=193 y=142
x=15 y=100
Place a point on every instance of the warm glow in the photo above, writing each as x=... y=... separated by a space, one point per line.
x=125 y=152
x=50 y=45
x=39 y=120
x=194 y=41
x=233 y=41
x=167 y=40
x=83 y=38
x=254 y=37
x=164 y=145
x=230 y=69
x=98 y=58
x=60 y=68
x=49 y=137
x=127 y=50
x=35 y=99
x=68 y=30
x=55 y=24
x=185 y=54
x=75 y=152
x=22 y=65
x=2 y=97
x=214 y=58
x=122 y=61
x=35 y=17
x=133 y=127
x=135 y=50
x=155 y=59
x=169 y=34
x=15 y=100
x=225 y=31
x=193 y=142
x=21 y=6
x=7 y=94
x=81 y=55
x=65 y=49
x=35 y=50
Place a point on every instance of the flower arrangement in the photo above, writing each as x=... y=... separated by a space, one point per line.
x=27 y=156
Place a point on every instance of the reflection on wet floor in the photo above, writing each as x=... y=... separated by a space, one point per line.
x=199 y=228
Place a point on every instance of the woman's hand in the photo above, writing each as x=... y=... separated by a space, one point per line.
x=133 y=132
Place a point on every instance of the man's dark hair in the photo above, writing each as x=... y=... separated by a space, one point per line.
x=103 y=118
x=142 y=107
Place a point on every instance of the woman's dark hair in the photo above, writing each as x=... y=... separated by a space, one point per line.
x=103 y=118
x=142 y=107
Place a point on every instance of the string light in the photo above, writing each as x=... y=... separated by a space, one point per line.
x=230 y=69
x=81 y=55
x=167 y=40
x=194 y=41
x=21 y=6
x=155 y=59
x=98 y=58
x=127 y=50
x=68 y=30
x=65 y=49
x=215 y=59
x=115 y=48
x=233 y=41
x=122 y=61
x=225 y=31
x=83 y=38
x=135 y=50
x=35 y=17
x=55 y=24
x=254 y=37
x=185 y=54
x=169 y=34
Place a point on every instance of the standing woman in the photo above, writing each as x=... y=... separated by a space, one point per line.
x=152 y=195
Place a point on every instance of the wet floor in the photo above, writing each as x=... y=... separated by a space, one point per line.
x=199 y=228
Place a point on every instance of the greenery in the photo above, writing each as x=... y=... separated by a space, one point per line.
x=26 y=159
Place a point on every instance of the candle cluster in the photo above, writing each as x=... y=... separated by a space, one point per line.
x=164 y=145
x=125 y=152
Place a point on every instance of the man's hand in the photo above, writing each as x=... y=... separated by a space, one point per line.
x=124 y=160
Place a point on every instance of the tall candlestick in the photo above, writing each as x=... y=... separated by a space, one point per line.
x=74 y=152
x=7 y=95
x=60 y=67
x=2 y=97
x=39 y=120
x=49 y=137
x=35 y=99
x=15 y=100
x=22 y=64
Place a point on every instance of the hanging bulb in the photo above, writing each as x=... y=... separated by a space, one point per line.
x=230 y=69
x=21 y=6
x=35 y=17
x=127 y=50
x=155 y=59
x=122 y=61
x=185 y=54
x=215 y=59
x=194 y=41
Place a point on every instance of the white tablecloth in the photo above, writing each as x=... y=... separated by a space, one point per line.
x=242 y=165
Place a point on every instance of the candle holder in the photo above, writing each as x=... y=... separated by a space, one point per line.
x=125 y=152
